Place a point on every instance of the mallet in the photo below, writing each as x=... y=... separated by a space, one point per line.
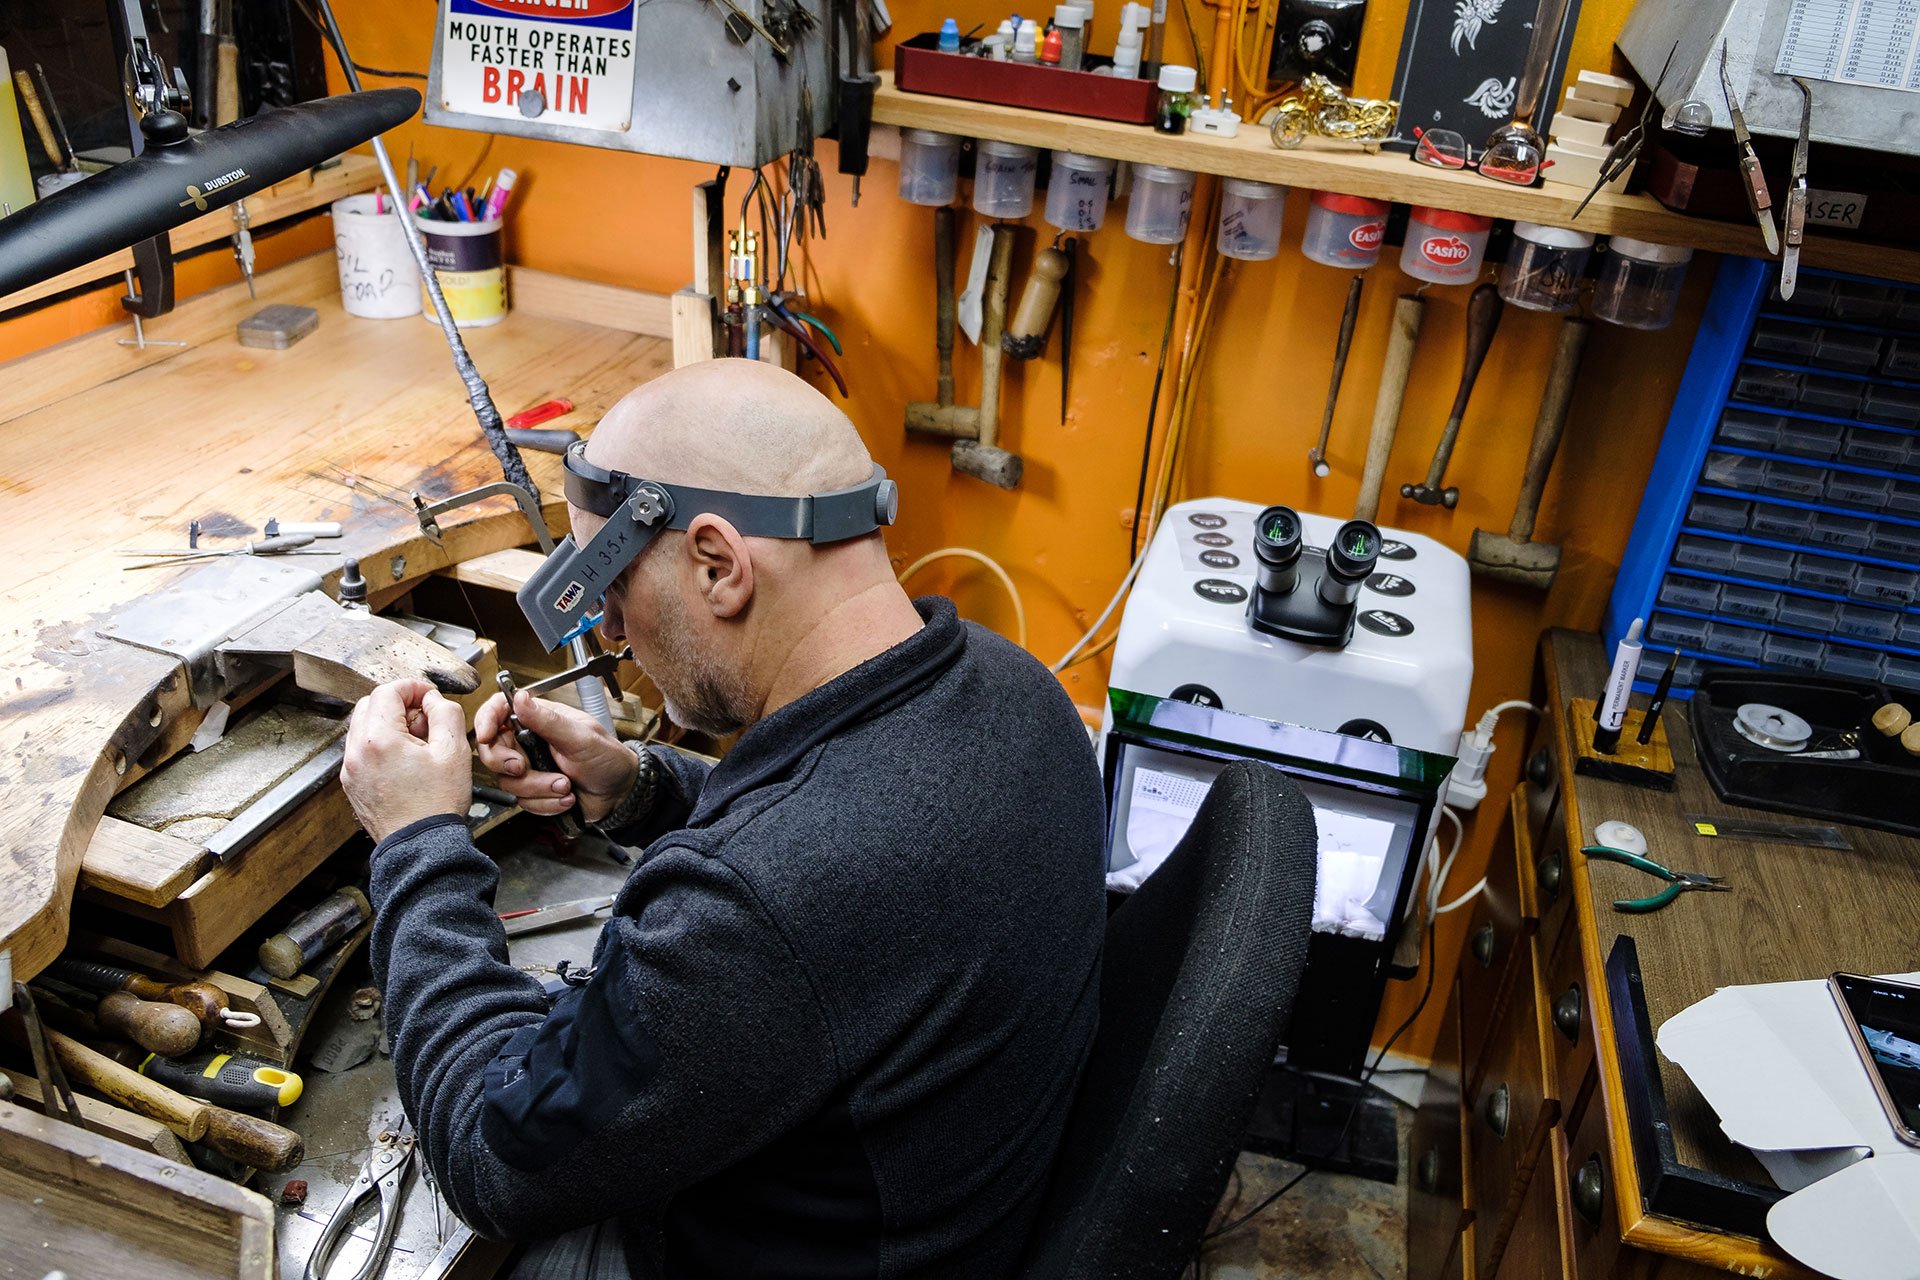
x=1514 y=556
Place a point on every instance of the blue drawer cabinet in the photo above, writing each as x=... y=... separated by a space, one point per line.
x=1781 y=524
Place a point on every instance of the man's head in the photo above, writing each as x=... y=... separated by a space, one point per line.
x=712 y=615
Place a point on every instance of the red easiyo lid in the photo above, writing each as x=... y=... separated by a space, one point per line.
x=1339 y=202
x=1448 y=220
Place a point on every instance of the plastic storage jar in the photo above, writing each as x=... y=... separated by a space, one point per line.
x=1444 y=247
x=1003 y=179
x=1161 y=201
x=1250 y=215
x=1344 y=231
x=929 y=166
x=1640 y=282
x=1543 y=270
x=1077 y=192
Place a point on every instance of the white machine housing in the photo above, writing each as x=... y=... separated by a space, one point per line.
x=1407 y=672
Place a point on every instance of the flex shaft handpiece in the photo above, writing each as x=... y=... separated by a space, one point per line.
x=539 y=755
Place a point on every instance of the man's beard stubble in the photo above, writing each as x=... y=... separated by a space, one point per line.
x=698 y=692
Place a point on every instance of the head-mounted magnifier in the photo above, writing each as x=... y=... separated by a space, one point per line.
x=560 y=598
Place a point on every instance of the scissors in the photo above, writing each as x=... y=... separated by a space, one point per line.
x=1678 y=882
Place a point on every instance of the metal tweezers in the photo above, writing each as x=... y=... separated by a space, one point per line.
x=1796 y=216
x=1755 y=181
x=383 y=1176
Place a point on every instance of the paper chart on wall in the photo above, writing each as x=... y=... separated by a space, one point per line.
x=1868 y=42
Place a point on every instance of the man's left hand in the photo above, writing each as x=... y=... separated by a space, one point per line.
x=407 y=757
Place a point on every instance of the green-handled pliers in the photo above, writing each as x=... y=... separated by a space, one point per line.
x=1678 y=882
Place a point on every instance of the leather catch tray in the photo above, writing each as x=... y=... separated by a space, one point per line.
x=1873 y=791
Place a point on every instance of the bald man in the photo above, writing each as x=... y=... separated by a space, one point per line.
x=835 y=1023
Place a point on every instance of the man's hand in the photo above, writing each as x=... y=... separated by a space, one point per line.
x=406 y=757
x=593 y=766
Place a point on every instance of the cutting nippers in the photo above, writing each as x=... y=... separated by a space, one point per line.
x=1678 y=882
x=383 y=1178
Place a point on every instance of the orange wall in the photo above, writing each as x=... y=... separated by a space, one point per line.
x=625 y=219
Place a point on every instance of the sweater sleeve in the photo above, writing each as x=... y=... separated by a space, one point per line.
x=697 y=1040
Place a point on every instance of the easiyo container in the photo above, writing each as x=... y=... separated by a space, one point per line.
x=1344 y=231
x=1444 y=247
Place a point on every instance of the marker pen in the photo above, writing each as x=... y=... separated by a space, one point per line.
x=502 y=192
x=1612 y=711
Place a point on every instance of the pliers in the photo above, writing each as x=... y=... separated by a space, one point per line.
x=1678 y=882
x=383 y=1177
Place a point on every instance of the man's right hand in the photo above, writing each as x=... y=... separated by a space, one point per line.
x=593 y=766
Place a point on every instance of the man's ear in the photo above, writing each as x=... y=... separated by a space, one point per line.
x=722 y=565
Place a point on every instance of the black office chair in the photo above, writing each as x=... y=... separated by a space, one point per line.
x=1201 y=967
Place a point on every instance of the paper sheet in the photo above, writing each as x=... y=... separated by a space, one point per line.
x=1870 y=42
x=1353 y=849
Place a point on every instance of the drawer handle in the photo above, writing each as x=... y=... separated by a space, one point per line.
x=1499 y=1110
x=1590 y=1190
x=1482 y=943
x=1428 y=1172
x=1547 y=875
x=1566 y=1013
x=1540 y=767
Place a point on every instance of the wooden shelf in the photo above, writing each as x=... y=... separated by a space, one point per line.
x=1381 y=176
x=354 y=174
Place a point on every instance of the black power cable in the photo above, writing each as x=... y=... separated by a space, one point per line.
x=1153 y=403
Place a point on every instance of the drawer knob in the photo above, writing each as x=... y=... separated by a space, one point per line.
x=1589 y=1190
x=1547 y=875
x=1428 y=1171
x=1540 y=768
x=1566 y=1013
x=1499 y=1110
x=1482 y=944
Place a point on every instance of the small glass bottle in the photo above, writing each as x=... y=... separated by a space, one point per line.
x=1176 y=98
x=1070 y=21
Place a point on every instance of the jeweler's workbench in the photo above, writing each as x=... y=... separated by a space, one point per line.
x=112 y=447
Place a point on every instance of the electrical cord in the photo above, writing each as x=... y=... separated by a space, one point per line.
x=1006 y=580
x=1153 y=404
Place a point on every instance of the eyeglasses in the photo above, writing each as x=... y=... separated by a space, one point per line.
x=1514 y=161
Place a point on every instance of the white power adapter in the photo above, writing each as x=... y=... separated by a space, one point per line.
x=1467 y=784
x=1220 y=123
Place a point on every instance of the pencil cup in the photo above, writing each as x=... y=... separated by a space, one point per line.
x=467 y=258
x=378 y=278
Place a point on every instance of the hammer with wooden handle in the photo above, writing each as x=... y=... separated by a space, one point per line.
x=1407 y=313
x=1514 y=556
x=248 y=1140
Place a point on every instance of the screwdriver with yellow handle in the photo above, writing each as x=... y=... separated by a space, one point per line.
x=225 y=1079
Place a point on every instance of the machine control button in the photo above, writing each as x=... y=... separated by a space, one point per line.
x=1213 y=539
x=1395 y=550
x=1219 y=559
x=1220 y=591
x=1390 y=584
x=1198 y=694
x=1383 y=622
x=1207 y=520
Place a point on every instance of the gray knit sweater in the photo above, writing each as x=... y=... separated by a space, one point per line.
x=836 y=1020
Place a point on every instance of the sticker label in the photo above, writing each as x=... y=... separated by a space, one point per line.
x=1219 y=559
x=1207 y=520
x=1383 y=622
x=1213 y=539
x=1392 y=550
x=1220 y=591
x=1445 y=251
x=1843 y=209
x=576 y=55
x=1368 y=235
x=1390 y=584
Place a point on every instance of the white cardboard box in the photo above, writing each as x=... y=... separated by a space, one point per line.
x=1775 y=1063
x=1572 y=104
x=1589 y=133
x=1601 y=87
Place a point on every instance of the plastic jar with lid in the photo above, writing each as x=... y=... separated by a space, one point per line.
x=1003 y=179
x=1344 y=231
x=1077 y=192
x=1639 y=284
x=929 y=166
x=1544 y=268
x=1444 y=247
x=1250 y=214
x=1162 y=199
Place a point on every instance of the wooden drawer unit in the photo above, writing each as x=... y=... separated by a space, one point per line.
x=1497 y=931
x=1514 y=1110
x=1546 y=884
x=1594 y=1221
x=1569 y=1016
x=1436 y=1203
x=1537 y=1246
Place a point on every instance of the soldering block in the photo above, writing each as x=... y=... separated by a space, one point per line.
x=1598 y=86
x=1640 y=764
x=1581 y=148
x=1590 y=133
x=277 y=326
x=1572 y=104
x=1578 y=170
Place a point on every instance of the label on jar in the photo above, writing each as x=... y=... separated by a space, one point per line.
x=1366 y=236
x=1446 y=252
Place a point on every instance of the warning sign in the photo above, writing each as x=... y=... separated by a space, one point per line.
x=577 y=55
